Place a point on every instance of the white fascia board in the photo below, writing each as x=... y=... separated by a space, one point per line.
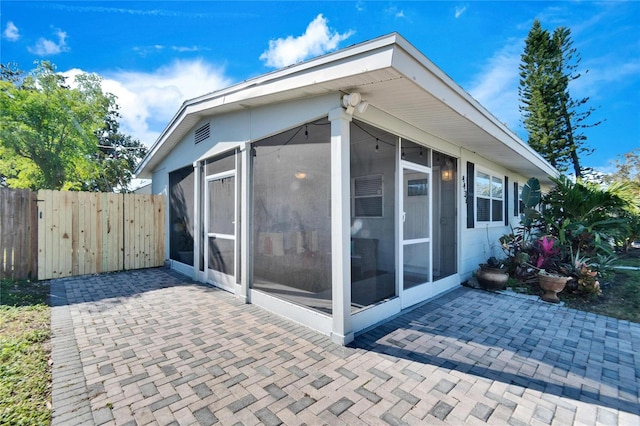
x=418 y=68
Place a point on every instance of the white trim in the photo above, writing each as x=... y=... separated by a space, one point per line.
x=221 y=148
x=224 y=281
x=492 y=174
x=342 y=332
x=245 y=219
x=420 y=292
x=197 y=221
x=308 y=317
x=375 y=314
x=182 y=268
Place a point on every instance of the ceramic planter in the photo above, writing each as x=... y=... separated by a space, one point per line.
x=552 y=285
x=492 y=278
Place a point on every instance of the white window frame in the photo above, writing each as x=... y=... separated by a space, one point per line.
x=492 y=175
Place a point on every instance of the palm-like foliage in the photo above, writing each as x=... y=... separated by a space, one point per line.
x=586 y=216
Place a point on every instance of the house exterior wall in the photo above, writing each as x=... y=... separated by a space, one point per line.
x=482 y=241
x=232 y=130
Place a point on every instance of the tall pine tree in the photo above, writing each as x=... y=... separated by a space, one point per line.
x=552 y=118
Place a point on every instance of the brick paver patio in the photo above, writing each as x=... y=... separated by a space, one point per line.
x=152 y=347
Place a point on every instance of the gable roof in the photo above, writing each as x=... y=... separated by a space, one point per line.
x=391 y=75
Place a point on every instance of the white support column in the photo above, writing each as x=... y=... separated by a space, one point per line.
x=197 y=220
x=342 y=332
x=245 y=218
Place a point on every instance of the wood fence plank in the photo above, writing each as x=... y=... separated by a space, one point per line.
x=148 y=229
x=41 y=235
x=66 y=235
x=113 y=234
x=130 y=216
x=83 y=246
x=14 y=245
x=7 y=244
x=75 y=234
x=4 y=222
x=49 y=204
x=33 y=233
x=139 y=237
x=159 y=229
x=56 y=235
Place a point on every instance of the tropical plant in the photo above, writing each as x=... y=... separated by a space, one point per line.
x=571 y=231
x=518 y=244
x=585 y=216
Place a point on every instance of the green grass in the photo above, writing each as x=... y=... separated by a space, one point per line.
x=620 y=297
x=25 y=376
x=620 y=291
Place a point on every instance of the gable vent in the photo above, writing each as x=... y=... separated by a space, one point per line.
x=202 y=133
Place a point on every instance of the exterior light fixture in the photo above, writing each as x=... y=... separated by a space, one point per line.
x=300 y=175
x=353 y=100
x=447 y=171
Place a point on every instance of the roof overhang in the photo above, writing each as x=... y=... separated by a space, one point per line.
x=392 y=76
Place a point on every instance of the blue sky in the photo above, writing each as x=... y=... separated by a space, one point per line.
x=154 y=55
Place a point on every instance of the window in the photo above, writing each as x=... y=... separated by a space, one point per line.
x=489 y=197
x=367 y=196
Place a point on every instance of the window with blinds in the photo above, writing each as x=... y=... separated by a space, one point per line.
x=489 y=197
x=367 y=196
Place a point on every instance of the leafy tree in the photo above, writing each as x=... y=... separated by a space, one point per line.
x=115 y=159
x=552 y=118
x=627 y=168
x=54 y=136
x=626 y=180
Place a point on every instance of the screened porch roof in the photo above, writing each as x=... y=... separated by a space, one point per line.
x=392 y=76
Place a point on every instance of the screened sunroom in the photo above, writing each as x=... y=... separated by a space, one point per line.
x=340 y=191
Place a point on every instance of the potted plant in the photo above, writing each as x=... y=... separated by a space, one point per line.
x=552 y=277
x=552 y=284
x=492 y=275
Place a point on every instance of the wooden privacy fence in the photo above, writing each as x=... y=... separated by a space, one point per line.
x=18 y=235
x=55 y=234
x=88 y=232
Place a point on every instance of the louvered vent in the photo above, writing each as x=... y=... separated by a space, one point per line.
x=367 y=192
x=202 y=133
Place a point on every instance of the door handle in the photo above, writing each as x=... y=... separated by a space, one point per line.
x=404 y=217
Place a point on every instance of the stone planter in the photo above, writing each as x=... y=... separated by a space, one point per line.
x=492 y=278
x=552 y=285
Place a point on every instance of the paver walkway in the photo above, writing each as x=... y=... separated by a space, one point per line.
x=151 y=347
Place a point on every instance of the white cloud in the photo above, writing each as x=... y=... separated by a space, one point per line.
x=397 y=13
x=599 y=74
x=11 y=32
x=496 y=86
x=149 y=100
x=46 y=47
x=157 y=48
x=316 y=40
x=460 y=10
